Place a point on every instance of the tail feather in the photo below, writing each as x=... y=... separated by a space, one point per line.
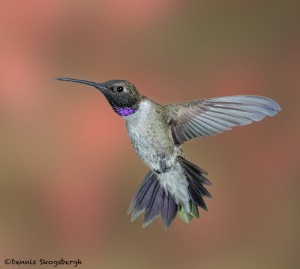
x=154 y=199
x=196 y=180
x=199 y=172
x=187 y=216
x=155 y=205
x=169 y=210
x=143 y=196
x=197 y=198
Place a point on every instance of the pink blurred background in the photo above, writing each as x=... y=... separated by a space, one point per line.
x=67 y=169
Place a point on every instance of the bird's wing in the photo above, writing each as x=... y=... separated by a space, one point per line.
x=206 y=117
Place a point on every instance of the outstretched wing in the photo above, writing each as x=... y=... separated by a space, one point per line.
x=200 y=118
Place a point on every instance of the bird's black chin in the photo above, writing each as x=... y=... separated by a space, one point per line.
x=102 y=87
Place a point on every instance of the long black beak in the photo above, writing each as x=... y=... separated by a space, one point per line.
x=99 y=86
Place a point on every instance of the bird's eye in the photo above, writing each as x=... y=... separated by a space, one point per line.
x=120 y=89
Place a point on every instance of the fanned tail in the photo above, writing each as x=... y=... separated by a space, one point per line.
x=153 y=199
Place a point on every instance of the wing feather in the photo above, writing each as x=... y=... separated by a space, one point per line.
x=206 y=117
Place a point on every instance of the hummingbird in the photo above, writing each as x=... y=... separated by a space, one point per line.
x=174 y=185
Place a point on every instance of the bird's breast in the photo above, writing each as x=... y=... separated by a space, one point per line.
x=151 y=137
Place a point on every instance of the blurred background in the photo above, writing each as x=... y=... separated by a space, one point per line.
x=67 y=169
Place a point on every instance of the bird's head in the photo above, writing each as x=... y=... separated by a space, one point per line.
x=122 y=95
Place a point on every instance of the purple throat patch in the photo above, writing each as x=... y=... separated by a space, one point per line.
x=124 y=111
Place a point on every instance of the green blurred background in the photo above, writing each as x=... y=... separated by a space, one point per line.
x=67 y=168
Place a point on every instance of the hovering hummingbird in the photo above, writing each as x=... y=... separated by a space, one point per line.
x=173 y=184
